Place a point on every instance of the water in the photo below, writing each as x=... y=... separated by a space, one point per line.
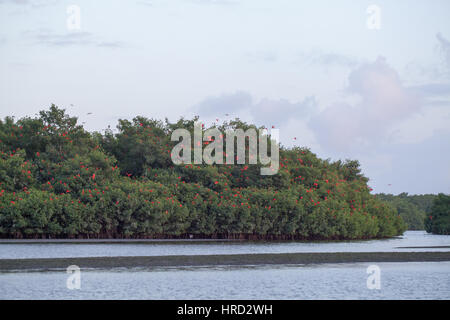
x=411 y=280
x=429 y=280
x=26 y=249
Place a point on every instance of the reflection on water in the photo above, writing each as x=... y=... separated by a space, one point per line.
x=422 y=280
x=409 y=239
x=412 y=280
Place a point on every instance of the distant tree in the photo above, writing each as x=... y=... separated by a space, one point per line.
x=438 y=221
x=409 y=207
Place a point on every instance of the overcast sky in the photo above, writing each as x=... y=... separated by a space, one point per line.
x=366 y=80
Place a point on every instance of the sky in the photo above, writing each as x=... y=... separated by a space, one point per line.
x=349 y=79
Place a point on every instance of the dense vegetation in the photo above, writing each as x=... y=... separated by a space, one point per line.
x=58 y=180
x=412 y=208
x=439 y=219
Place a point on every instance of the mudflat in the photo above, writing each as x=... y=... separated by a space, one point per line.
x=42 y=264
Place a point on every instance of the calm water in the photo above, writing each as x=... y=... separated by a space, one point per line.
x=27 y=249
x=430 y=280
x=421 y=280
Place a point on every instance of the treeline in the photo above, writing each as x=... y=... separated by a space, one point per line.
x=414 y=209
x=58 y=180
x=438 y=221
x=428 y=212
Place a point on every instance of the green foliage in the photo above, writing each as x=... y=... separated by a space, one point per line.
x=439 y=219
x=139 y=144
x=59 y=180
x=412 y=208
x=409 y=208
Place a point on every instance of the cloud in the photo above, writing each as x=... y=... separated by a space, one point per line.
x=264 y=112
x=401 y=171
x=434 y=79
x=79 y=38
x=278 y=112
x=437 y=71
x=145 y=3
x=382 y=102
x=216 y=2
x=110 y=44
x=30 y=3
x=377 y=109
x=328 y=59
x=20 y=2
x=432 y=120
x=225 y=103
x=432 y=89
x=444 y=49
x=435 y=89
x=265 y=56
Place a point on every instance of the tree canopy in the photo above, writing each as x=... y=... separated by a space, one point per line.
x=59 y=180
x=439 y=219
x=412 y=208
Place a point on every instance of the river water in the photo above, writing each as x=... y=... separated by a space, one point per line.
x=407 y=280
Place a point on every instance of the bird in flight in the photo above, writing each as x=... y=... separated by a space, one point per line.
x=88 y=113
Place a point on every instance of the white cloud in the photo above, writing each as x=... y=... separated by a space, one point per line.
x=421 y=126
x=328 y=59
x=383 y=101
x=47 y=38
x=30 y=3
x=269 y=112
x=444 y=50
x=225 y=103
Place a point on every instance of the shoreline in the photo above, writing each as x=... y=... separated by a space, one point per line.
x=179 y=240
x=237 y=238
x=46 y=264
